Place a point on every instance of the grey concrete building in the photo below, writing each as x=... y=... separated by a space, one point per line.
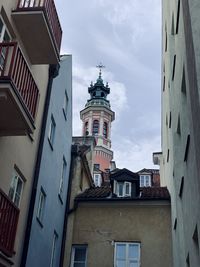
x=180 y=160
x=44 y=241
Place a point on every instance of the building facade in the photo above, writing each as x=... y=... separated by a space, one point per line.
x=97 y=117
x=180 y=160
x=119 y=225
x=52 y=184
x=29 y=47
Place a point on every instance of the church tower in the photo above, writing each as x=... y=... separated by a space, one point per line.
x=97 y=117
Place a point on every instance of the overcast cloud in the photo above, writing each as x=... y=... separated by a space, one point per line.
x=126 y=36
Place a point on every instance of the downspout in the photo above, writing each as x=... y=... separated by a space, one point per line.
x=67 y=208
x=53 y=72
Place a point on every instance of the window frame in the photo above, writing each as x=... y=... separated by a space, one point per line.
x=41 y=206
x=53 y=248
x=13 y=186
x=51 y=131
x=96 y=132
x=73 y=254
x=65 y=104
x=105 y=130
x=62 y=178
x=98 y=183
x=127 y=258
x=117 y=190
x=147 y=177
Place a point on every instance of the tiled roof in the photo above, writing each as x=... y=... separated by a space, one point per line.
x=95 y=192
x=105 y=192
x=154 y=192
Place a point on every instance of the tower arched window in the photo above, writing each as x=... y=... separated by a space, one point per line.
x=95 y=129
x=86 y=128
x=105 y=130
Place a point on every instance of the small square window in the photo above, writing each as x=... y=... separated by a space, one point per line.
x=65 y=104
x=145 y=180
x=123 y=189
x=79 y=256
x=52 y=129
x=41 y=206
x=96 y=167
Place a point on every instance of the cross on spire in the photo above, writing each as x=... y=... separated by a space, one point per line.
x=100 y=67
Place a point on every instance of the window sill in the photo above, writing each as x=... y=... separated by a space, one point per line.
x=40 y=223
x=50 y=144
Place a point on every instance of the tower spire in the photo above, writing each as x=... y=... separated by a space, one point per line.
x=100 y=67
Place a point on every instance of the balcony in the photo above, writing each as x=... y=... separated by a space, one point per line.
x=19 y=93
x=38 y=25
x=9 y=215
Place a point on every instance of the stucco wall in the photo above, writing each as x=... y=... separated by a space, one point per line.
x=99 y=225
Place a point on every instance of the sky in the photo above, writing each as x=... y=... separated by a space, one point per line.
x=125 y=35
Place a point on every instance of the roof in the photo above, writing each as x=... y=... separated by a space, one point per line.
x=155 y=171
x=104 y=192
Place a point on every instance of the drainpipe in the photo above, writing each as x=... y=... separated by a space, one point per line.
x=53 y=72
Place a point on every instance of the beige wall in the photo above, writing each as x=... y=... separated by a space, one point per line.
x=22 y=150
x=99 y=224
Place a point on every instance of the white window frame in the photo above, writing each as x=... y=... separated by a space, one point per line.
x=4 y=30
x=127 y=259
x=52 y=129
x=53 y=249
x=63 y=176
x=124 y=184
x=13 y=194
x=73 y=254
x=98 y=177
x=146 y=180
x=41 y=205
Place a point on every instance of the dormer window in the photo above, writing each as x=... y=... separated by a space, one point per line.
x=97 y=179
x=145 y=180
x=122 y=189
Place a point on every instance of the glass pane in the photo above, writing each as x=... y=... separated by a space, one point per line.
x=19 y=187
x=121 y=251
x=133 y=264
x=120 y=189
x=121 y=263
x=127 y=191
x=133 y=252
x=6 y=37
x=80 y=254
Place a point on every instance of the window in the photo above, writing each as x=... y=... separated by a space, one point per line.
x=86 y=131
x=79 y=256
x=65 y=105
x=41 y=206
x=53 y=249
x=105 y=130
x=123 y=189
x=95 y=129
x=178 y=15
x=145 y=180
x=52 y=128
x=174 y=66
x=127 y=255
x=96 y=167
x=187 y=148
x=181 y=187
x=16 y=188
x=63 y=175
x=4 y=37
x=97 y=179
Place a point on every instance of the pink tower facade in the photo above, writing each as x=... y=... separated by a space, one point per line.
x=97 y=117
